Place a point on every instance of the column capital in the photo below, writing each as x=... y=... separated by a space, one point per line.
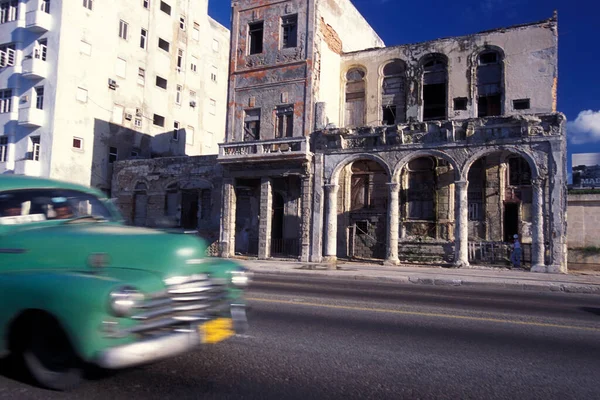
x=331 y=187
x=393 y=186
x=461 y=184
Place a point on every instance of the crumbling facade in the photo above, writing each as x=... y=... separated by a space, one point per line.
x=339 y=147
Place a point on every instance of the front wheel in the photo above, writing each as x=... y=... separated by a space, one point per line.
x=49 y=356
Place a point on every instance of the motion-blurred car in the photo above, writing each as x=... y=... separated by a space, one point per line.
x=78 y=287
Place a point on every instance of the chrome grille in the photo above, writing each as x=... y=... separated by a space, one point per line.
x=186 y=301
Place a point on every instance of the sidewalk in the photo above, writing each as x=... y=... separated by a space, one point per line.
x=476 y=277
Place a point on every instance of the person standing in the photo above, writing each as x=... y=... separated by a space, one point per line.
x=515 y=257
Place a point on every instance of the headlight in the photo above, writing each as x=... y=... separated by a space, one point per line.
x=124 y=299
x=241 y=278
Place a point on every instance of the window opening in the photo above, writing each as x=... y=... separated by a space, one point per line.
x=255 y=33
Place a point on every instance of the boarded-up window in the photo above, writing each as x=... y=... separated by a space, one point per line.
x=284 y=126
x=393 y=93
x=435 y=78
x=252 y=125
x=140 y=205
x=489 y=84
x=355 y=98
x=421 y=189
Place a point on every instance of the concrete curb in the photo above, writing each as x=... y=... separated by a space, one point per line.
x=528 y=286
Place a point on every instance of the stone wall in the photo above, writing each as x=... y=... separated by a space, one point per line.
x=584 y=220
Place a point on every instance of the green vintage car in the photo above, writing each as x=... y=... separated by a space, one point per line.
x=79 y=288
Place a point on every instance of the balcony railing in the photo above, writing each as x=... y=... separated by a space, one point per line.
x=31 y=117
x=36 y=67
x=38 y=20
x=267 y=149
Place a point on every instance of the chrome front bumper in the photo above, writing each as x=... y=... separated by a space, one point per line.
x=161 y=347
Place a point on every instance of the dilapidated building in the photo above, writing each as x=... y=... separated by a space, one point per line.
x=339 y=147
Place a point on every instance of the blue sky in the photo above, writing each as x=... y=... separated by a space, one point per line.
x=400 y=22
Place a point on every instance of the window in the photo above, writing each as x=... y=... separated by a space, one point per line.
x=284 y=126
x=121 y=68
x=519 y=172
x=255 y=37
x=175 y=131
x=196 y=31
x=45 y=6
x=161 y=82
x=366 y=184
x=460 y=104
x=182 y=23
x=355 y=98
x=212 y=107
x=143 y=38
x=85 y=48
x=3 y=148
x=35 y=148
x=164 y=7
x=215 y=45
x=213 y=74
x=194 y=64
x=521 y=104
x=8 y=11
x=141 y=76
x=117 y=114
x=189 y=135
x=113 y=155
x=179 y=60
x=146 y=3
x=88 y=4
x=289 y=31
x=421 y=189
x=252 y=125
x=5 y=101
x=77 y=143
x=489 y=84
x=435 y=79
x=39 y=97
x=40 y=50
x=178 y=94
x=476 y=190
x=138 y=122
x=163 y=44
x=393 y=93
x=123 y=29
x=158 y=120
x=7 y=55
x=192 y=98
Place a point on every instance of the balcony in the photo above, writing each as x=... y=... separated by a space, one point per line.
x=27 y=167
x=265 y=150
x=38 y=21
x=31 y=117
x=35 y=67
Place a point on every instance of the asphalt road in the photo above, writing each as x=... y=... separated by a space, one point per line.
x=341 y=340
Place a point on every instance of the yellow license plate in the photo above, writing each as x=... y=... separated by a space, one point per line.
x=216 y=330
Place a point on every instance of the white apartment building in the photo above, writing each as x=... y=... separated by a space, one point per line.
x=84 y=83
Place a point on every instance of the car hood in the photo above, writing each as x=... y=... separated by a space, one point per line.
x=96 y=245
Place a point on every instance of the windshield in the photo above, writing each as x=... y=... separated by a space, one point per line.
x=35 y=205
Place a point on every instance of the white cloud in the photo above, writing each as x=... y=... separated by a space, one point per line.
x=585 y=128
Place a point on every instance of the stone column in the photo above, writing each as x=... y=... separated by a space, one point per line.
x=228 y=210
x=331 y=216
x=393 y=224
x=305 y=215
x=461 y=231
x=266 y=216
x=537 y=227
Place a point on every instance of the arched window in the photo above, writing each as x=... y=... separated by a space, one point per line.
x=489 y=84
x=140 y=204
x=355 y=98
x=435 y=82
x=393 y=93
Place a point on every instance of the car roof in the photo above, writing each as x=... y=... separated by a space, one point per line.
x=22 y=182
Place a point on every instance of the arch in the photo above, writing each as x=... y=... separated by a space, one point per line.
x=484 y=49
x=433 y=57
x=171 y=185
x=535 y=171
x=140 y=186
x=425 y=153
x=334 y=179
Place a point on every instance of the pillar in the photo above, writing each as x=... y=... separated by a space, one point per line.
x=266 y=217
x=393 y=224
x=228 y=211
x=461 y=232
x=331 y=223
x=537 y=227
x=306 y=200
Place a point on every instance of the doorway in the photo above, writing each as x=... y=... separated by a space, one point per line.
x=511 y=221
x=189 y=209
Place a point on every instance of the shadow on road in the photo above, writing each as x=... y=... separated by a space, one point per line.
x=591 y=310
